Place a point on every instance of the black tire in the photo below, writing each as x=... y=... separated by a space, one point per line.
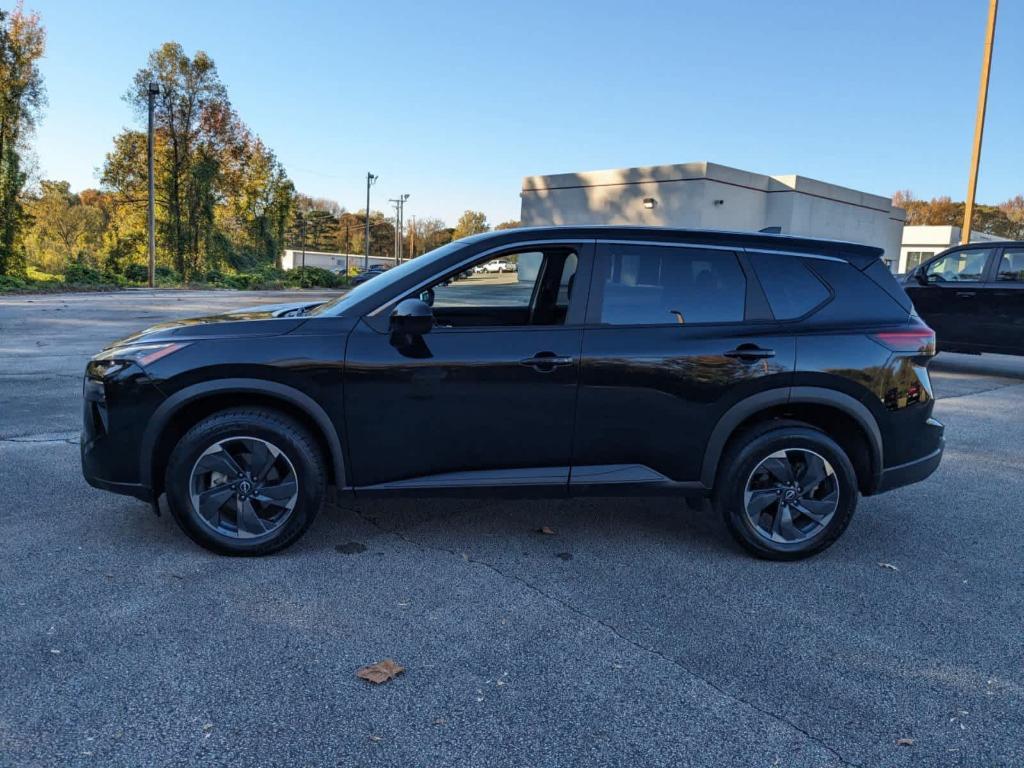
x=746 y=453
x=302 y=458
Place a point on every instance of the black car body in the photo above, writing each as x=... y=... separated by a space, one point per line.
x=637 y=361
x=973 y=297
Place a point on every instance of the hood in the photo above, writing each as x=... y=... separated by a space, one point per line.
x=267 y=320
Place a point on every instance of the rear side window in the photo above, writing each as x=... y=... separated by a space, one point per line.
x=791 y=288
x=1011 y=266
x=656 y=285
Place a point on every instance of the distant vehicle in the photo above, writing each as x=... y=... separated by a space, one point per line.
x=973 y=296
x=781 y=377
x=498 y=266
x=366 y=274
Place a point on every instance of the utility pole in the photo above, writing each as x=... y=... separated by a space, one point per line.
x=370 y=181
x=412 y=239
x=397 y=203
x=979 y=123
x=302 y=230
x=154 y=89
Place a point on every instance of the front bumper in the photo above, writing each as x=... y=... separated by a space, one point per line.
x=89 y=470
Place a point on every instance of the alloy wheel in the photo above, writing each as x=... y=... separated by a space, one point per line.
x=791 y=496
x=243 y=487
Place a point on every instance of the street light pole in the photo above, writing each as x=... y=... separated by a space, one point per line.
x=370 y=179
x=154 y=89
x=979 y=123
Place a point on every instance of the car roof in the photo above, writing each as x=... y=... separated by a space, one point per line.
x=856 y=253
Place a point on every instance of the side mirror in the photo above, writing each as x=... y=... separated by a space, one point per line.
x=921 y=276
x=412 y=317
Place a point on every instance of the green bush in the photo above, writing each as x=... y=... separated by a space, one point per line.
x=13 y=283
x=136 y=273
x=214 y=277
x=316 y=277
x=82 y=274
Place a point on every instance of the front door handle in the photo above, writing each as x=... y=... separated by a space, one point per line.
x=750 y=352
x=965 y=294
x=546 y=361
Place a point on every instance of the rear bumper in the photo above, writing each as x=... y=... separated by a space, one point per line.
x=913 y=471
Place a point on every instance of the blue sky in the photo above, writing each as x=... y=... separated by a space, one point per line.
x=454 y=102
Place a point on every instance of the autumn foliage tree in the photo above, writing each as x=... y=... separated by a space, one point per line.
x=22 y=43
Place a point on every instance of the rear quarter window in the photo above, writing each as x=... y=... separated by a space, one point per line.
x=791 y=288
x=857 y=298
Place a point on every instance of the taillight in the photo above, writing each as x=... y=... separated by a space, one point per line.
x=915 y=341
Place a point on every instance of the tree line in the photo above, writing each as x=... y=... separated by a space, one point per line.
x=224 y=202
x=1005 y=220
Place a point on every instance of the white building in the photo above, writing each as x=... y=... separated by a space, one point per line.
x=335 y=262
x=921 y=242
x=710 y=196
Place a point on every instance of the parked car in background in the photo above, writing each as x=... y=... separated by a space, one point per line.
x=366 y=274
x=497 y=266
x=973 y=297
x=780 y=377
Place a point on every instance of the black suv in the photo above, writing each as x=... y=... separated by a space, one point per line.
x=782 y=377
x=973 y=296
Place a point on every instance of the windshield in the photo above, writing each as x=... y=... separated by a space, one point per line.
x=384 y=280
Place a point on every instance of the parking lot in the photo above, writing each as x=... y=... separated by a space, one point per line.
x=635 y=634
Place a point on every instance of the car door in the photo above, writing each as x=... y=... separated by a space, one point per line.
x=1003 y=312
x=487 y=397
x=950 y=297
x=675 y=336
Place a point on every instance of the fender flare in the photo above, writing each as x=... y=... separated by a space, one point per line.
x=163 y=415
x=750 y=406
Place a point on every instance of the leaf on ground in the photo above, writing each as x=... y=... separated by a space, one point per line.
x=888 y=566
x=546 y=531
x=381 y=672
x=904 y=742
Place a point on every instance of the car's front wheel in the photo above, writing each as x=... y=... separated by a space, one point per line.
x=245 y=481
x=786 y=490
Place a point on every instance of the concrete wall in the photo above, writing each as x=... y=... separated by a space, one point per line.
x=710 y=196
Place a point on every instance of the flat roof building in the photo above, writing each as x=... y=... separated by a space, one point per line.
x=335 y=262
x=710 y=196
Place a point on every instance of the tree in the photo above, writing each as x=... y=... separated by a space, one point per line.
x=470 y=223
x=510 y=224
x=22 y=43
x=1013 y=210
x=63 y=227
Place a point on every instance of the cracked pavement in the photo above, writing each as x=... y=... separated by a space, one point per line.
x=635 y=635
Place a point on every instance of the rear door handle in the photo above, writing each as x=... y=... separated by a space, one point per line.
x=750 y=352
x=546 y=361
x=965 y=294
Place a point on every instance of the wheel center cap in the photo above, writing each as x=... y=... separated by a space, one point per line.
x=789 y=495
x=245 y=486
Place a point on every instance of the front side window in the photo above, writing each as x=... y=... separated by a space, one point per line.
x=959 y=267
x=1011 y=267
x=656 y=285
x=517 y=288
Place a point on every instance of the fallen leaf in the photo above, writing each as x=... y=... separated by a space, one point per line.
x=904 y=742
x=546 y=531
x=381 y=672
x=375 y=737
x=888 y=566
x=208 y=727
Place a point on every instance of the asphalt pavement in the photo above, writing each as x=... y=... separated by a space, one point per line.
x=636 y=634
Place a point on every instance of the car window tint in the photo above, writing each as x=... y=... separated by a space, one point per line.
x=791 y=289
x=959 y=267
x=494 y=283
x=653 y=285
x=1011 y=266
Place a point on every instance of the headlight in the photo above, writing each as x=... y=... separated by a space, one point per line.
x=110 y=361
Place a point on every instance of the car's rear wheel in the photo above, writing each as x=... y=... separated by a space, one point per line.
x=245 y=481
x=786 y=491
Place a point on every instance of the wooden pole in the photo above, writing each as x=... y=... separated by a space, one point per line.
x=979 y=123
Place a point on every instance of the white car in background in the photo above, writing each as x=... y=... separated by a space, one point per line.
x=498 y=266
